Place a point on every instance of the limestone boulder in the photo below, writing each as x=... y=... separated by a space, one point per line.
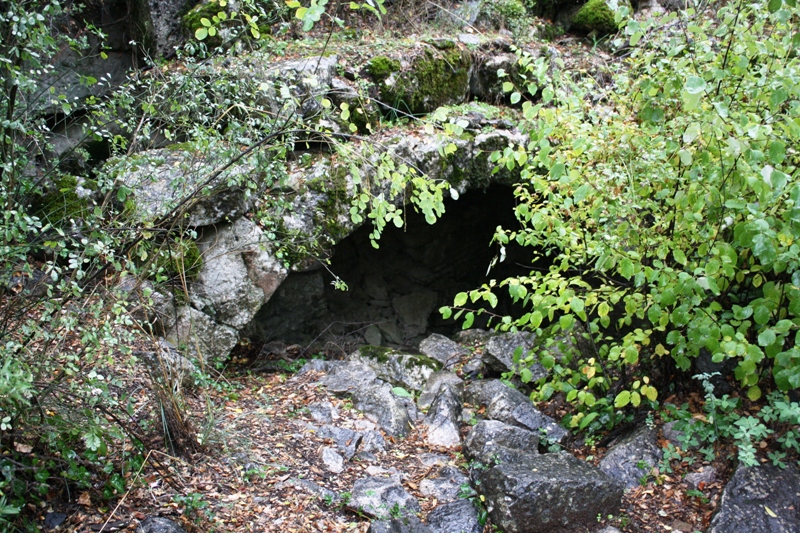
x=504 y=352
x=442 y=422
x=197 y=335
x=632 y=457
x=410 y=371
x=554 y=492
x=175 y=180
x=238 y=274
x=445 y=485
x=508 y=405
x=157 y=524
x=384 y=408
x=406 y=524
x=444 y=350
x=752 y=493
x=381 y=498
x=491 y=441
x=436 y=382
x=349 y=377
x=458 y=516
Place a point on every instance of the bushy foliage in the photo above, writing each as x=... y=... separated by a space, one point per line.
x=663 y=209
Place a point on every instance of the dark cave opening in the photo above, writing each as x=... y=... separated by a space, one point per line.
x=395 y=292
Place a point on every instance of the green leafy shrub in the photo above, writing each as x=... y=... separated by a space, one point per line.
x=666 y=216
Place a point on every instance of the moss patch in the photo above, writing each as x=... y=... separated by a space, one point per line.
x=377 y=353
x=63 y=203
x=595 y=16
x=434 y=78
x=422 y=360
x=336 y=202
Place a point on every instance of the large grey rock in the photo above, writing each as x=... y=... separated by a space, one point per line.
x=445 y=485
x=406 y=524
x=162 y=180
x=384 y=408
x=435 y=383
x=761 y=498
x=238 y=274
x=349 y=377
x=459 y=516
x=381 y=498
x=512 y=407
x=632 y=457
x=443 y=418
x=502 y=349
x=156 y=524
x=491 y=441
x=199 y=336
x=554 y=492
x=323 y=412
x=444 y=350
x=405 y=370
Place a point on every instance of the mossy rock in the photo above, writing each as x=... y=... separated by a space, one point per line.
x=67 y=200
x=376 y=353
x=336 y=203
x=595 y=16
x=503 y=14
x=433 y=78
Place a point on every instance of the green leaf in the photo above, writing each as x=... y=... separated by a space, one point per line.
x=586 y=420
x=401 y=392
x=200 y=34
x=754 y=393
x=460 y=299
x=626 y=268
x=603 y=309
x=446 y=312
x=622 y=399
x=766 y=337
x=469 y=319
x=508 y=86
x=679 y=256
x=515 y=97
x=695 y=85
x=692 y=132
x=774 y=5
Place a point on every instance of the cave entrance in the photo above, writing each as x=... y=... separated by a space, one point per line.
x=395 y=291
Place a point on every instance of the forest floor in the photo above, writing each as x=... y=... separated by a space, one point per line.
x=259 y=469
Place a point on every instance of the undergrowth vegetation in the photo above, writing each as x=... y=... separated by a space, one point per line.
x=665 y=207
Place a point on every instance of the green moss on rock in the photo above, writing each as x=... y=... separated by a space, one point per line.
x=433 y=79
x=63 y=203
x=377 y=353
x=595 y=16
x=422 y=360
